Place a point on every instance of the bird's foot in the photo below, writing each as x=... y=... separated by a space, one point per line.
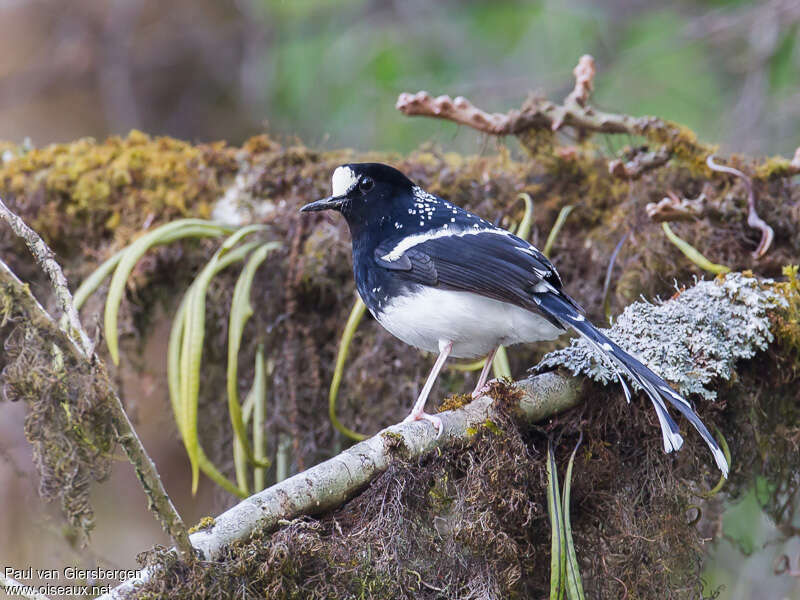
x=423 y=416
x=481 y=391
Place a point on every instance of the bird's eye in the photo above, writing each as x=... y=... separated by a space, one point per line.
x=366 y=184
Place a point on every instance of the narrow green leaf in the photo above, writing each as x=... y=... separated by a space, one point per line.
x=256 y=395
x=283 y=457
x=524 y=229
x=91 y=283
x=500 y=366
x=560 y=220
x=241 y=311
x=128 y=257
x=259 y=394
x=723 y=444
x=173 y=364
x=466 y=367
x=239 y=235
x=239 y=456
x=573 y=574
x=173 y=384
x=215 y=475
x=557 y=544
x=192 y=348
x=356 y=313
x=692 y=254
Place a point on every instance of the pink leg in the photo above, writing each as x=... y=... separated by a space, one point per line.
x=418 y=412
x=481 y=387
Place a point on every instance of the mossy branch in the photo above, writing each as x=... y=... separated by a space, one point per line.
x=46 y=259
x=332 y=482
x=76 y=344
x=741 y=301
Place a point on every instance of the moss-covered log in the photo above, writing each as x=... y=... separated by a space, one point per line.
x=468 y=520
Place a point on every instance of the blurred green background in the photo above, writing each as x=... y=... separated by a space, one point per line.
x=330 y=73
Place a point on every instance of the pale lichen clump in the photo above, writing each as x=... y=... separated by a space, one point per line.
x=689 y=340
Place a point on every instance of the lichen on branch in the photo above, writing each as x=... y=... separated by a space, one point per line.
x=691 y=340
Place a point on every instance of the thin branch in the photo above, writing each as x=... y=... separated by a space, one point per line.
x=15 y=588
x=753 y=220
x=46 y=259
x=76 y=344
x=538 y=113
x=584 y=81
x=330 y=483
x=460 y=110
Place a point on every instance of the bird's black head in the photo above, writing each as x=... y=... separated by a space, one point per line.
x=364 y=192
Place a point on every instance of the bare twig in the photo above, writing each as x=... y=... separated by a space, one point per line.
x=460 y=110
x=640 y=162
x=76 y=344
x=753 y=220
x=584 y=81
x=673 y=208
x=330 y=483
x=539 y=113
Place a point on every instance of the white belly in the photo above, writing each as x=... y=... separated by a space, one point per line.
x=475 y=324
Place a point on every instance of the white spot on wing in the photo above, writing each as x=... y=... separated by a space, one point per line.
x=420 y=238
x=343 y=180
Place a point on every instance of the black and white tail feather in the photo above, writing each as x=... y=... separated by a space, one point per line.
x=654 y=386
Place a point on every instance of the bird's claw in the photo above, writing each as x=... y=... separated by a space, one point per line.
x=478 y=392
x=432 y=419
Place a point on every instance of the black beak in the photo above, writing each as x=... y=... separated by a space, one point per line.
x=324 y=204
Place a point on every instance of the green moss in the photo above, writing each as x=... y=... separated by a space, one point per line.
x=395 y=444
x=787 y=322
x=204 y=523
x=454 y=401
x=680 y=141
x=775 y=168
x=97 y=187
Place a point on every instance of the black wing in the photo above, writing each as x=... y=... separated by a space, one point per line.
x=497 y=265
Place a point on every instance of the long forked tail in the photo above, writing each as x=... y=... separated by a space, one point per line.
x=654 y=386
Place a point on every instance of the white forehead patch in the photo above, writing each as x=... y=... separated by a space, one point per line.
x=343 y=181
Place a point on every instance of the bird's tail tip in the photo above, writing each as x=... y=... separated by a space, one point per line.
x=654 y=386
x=722 y=462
